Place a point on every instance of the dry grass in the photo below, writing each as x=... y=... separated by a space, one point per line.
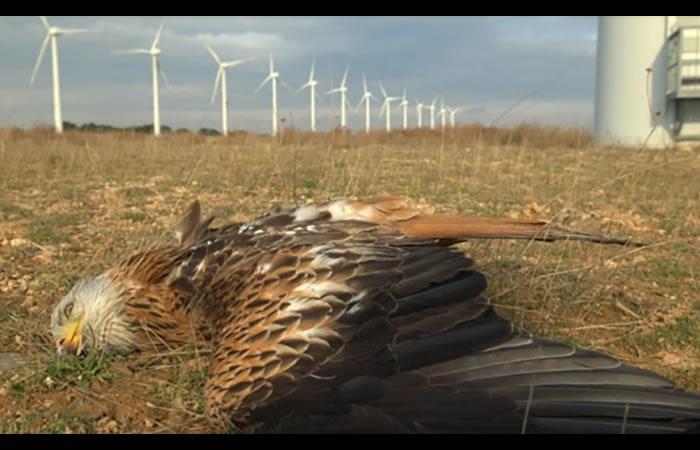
x=73 y=204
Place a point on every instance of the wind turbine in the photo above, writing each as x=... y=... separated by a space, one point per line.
x=366 y=97
x=419 y=113
x=452 y=112
x=343 y=89
x=386 y=107
x=221 y=75
x=442 y=113
x=154 y=51
x=404 y=104
x=432 y=114
x=272 y=76
x=52 y=34
x=311 y=84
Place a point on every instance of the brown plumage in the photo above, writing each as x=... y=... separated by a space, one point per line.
x=360 y=316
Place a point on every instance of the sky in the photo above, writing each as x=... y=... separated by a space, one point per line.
x=544 y=66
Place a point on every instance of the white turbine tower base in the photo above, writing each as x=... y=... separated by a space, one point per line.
x=156 y=73
x=221 y=76
x=273 y=77
x=366 y=97
x=630 y=101
x=442 y=113
x=453 y=112
x=432 y=114
x=52 y=34
x=419 y=113
x=311 y=84
x=386 y=106
x=404 y=105
x=343 y=90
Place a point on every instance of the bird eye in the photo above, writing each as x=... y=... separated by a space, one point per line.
x=68 y=309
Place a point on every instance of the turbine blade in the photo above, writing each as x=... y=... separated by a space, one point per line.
x=45 y=21
x=345 y=76
x=42 y=50
x=311 y=74
x=157 y=39
x=216 y=84
x=283 y=83
x=304 y=86
x=383 y=90
x=269 y=77
x=332 y=91
x=74 y=30
x=237 y=62
x=162 y=74
x=381 y=111
x=213 y=54
x=364 y=83
x=272 y=64
x=133 y=51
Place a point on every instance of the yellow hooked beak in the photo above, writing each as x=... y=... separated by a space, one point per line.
x=70 y=343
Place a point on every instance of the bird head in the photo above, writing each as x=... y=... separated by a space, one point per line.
x=92 y=316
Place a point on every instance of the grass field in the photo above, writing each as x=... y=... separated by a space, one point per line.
x=72 y=205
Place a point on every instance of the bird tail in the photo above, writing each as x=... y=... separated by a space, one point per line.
x=398 y=213
x=458 y=229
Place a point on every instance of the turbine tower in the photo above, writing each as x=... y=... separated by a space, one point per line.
x=386 y=107
x=404 y=104
x=273 y=77
x=366 y=97
x=443 y=114
x=343 y=89
x=52 y=34
x=311 y=84
x=452 y=112
x=154 y=51
x=221 y=76
x=634 y=76
x=432 y=114
x=419 y=113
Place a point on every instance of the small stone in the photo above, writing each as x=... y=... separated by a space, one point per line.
x=107 y=424
x=18 y=242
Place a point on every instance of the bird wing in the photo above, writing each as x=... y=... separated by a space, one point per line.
x=398 y=213
x=333 y=318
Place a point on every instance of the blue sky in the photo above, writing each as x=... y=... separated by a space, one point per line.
x=483 y=64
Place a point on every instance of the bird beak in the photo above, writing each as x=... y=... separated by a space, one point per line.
x=70 y=343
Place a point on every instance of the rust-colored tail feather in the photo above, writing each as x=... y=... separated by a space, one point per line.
x=457 y=229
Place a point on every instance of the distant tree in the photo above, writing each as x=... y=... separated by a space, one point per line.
x=182 y=130
x=148 y=128
x=209 y=132
x=69 y=125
